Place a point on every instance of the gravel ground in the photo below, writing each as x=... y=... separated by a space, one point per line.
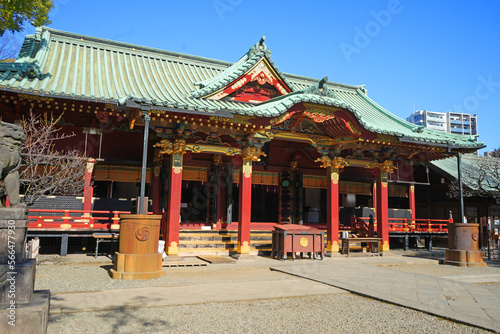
x=87 y=277
x=341 y=313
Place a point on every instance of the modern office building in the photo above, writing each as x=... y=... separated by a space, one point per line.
x=458 y=123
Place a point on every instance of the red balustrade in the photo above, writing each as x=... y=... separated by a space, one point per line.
x=360 y=224
x=73 y=219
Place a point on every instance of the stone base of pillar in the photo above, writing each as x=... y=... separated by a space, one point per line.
x=21 y=279
x=173 y=258
x=239 y=256
x=32 y=317
x=137 y=266
x=464 y=258
x=333 y=254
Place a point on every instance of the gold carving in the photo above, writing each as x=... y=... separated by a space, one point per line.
x=252 y=153
x=372 y=165
x=294 y=164
x=217 y=159
x=167 y=147
x=325 y=161
x=303 y=242
x=387 y=166
x=339 y=162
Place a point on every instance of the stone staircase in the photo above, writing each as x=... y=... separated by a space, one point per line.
x=212 y=242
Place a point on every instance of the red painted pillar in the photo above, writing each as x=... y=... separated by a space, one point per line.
x=383 y=204
x=220 y=198
x=411 y=195
x=88 y=190
x=411 y=192
x=332 y=215
x=244 y=215
x=374 y=205
x=155 y=189
x=174 y=207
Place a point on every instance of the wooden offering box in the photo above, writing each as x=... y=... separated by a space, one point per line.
x=291 y=238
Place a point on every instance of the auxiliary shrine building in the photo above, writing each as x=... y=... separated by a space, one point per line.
x=232 y=146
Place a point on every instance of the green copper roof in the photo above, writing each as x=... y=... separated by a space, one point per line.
x=471 y=164
x=245 y=63
x=63 y=64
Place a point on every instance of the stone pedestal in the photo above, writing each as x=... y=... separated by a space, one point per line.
x=463 y=243
x=138 y=256
x=22 y=310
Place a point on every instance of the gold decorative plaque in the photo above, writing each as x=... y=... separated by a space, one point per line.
x=303 y=242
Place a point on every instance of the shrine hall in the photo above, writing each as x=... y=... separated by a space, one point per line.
x=237 y=146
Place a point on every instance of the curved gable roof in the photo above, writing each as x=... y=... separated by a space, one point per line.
x=68 y=65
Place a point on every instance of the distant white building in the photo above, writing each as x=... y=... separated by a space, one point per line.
x=452 y=122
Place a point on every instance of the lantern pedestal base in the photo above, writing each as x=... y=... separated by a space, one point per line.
x=464 y=258
x=137 y=266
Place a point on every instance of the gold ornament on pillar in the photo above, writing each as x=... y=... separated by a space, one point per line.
x=252 y=153
x=168 y=147
x=217 y=159
x=325 y=161
x=339 y=163
x=294 y=164
x=387 y=166
x=90 y=165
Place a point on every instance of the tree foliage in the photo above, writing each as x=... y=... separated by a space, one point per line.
x=46 y=171
x=14 y=13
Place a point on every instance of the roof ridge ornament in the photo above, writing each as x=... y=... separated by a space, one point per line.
x=319 y=88
x=260 y=46
x=418 y=129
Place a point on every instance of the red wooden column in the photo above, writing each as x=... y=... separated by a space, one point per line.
x=333 y=168
x=174 y=198
x=411 y=192
x=332 y=215
x=382 y=211
x=88 y=190
x=411 y=195
x=249 y=154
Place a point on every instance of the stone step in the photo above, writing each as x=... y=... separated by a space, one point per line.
x=220 y=251
x=215 y=242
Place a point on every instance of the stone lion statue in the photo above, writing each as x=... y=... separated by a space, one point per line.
x=11 y=137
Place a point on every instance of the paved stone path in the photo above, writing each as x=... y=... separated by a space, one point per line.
x=478 y=305
x=184 y=295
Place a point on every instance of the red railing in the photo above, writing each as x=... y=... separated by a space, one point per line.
x=419 y=225
x=73 y=219
x=362 y=227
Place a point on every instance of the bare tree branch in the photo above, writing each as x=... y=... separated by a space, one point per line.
x=9 y=47
x=46 y=171
x=482 y=178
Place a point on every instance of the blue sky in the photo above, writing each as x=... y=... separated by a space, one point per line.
x=435 y=55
